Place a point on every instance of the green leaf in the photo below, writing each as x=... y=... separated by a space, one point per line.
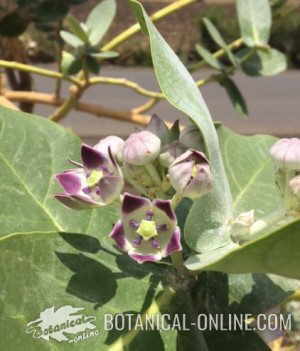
x=209 y=58
x=100 y=19
x=70 y=65
x=76 y=28
x=71 y=39
x=54 y=256
x=252 y=179
x=181 y=91
x=276 y=252
x=255 y=20
x=104 y=55
x=235 y=96
x=264 y=62
x=215 y=34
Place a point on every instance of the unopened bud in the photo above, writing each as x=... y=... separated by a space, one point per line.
x=141 y=148
x=286 y=153
x=190 y=174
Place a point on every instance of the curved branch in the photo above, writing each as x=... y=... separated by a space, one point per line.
x=37 y=70
x=127 y=83
x=97 y=110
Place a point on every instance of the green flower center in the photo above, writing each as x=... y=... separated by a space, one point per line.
x=147 y=229
x=94 y=178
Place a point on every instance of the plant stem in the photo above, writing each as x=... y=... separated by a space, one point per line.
x=66 y=107
x=36 y=70
x=125 y=35
x=153 y=173
x=155 y=308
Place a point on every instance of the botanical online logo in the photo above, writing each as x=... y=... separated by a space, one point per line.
x=59 y=324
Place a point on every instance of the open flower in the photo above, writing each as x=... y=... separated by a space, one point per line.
x=286 y=153
x=190 y=174
x=148 y=230
x=98 y=182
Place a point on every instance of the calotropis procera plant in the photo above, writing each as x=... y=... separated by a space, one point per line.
x=189 y=221
x=147 y=229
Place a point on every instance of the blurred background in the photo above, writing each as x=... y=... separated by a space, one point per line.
x=273 y=101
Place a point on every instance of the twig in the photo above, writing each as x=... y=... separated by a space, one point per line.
x=94 y=109
x=127 y=83
x=36 y=70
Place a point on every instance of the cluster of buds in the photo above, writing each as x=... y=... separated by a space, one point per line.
x=144 y=172
x=286 y=155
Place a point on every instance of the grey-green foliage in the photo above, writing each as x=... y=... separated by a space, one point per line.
x=86 y=37
x=54 y=256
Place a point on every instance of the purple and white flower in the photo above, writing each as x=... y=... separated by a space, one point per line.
x=190 y=174
x=98 y=182
x=147 y=230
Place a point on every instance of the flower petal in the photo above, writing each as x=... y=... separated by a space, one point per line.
x=70 y=180
x=132 y=203
x=118 y=235
x=174 y=243
x=69 y=202
x=166 y=207
x=91 y=157
x=140 y=258
x=87 y=201
x=110 y=188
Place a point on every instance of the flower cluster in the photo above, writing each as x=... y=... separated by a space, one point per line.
x=144 y=172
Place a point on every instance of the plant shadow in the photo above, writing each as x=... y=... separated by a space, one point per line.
x=94 y=281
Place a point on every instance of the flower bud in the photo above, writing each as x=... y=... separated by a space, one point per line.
x=115 y=143
x=141 y=148
x=286 y=153
x=241 y=226
x=190 y=174
x=170 y=153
